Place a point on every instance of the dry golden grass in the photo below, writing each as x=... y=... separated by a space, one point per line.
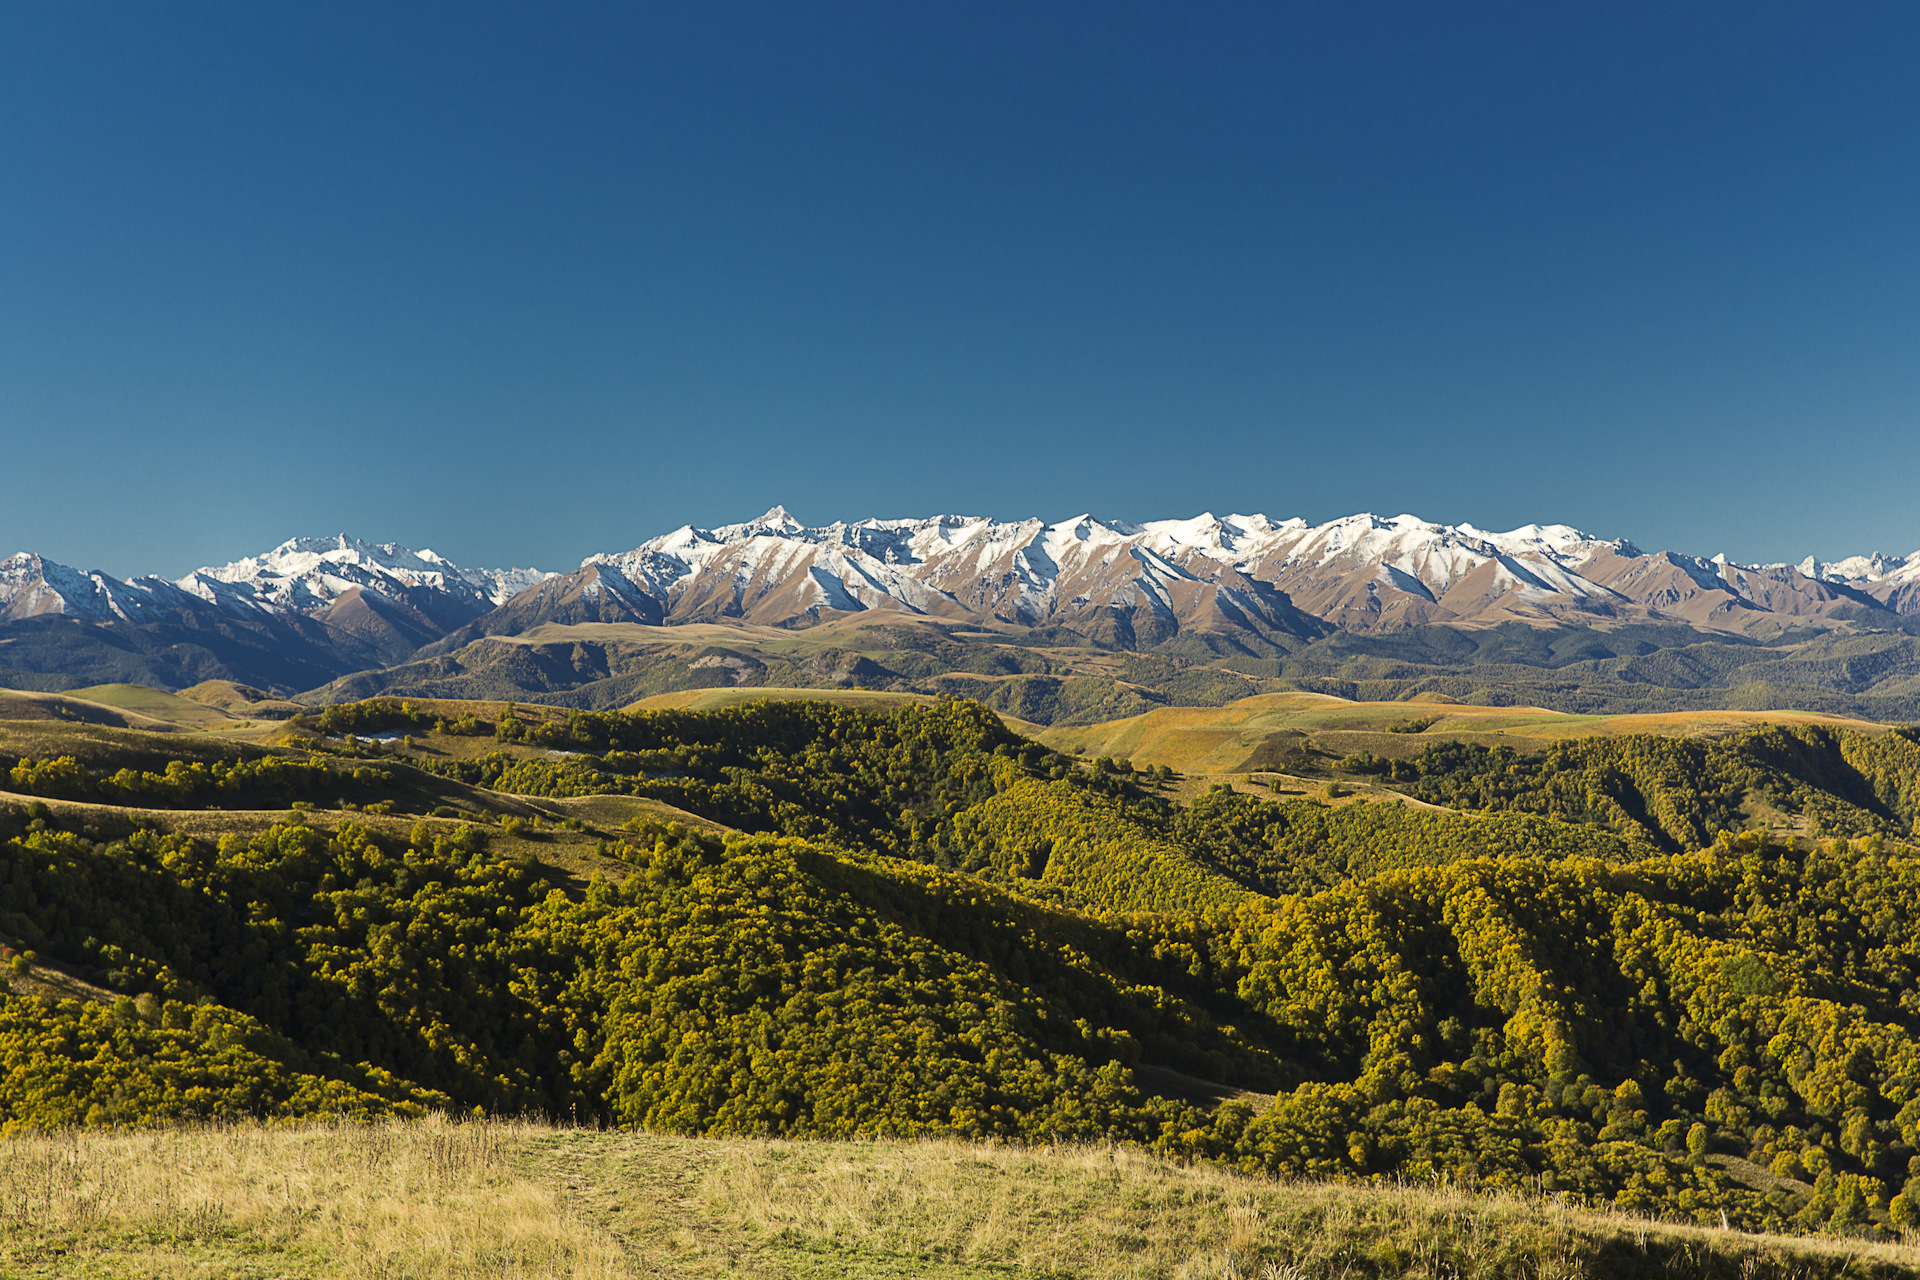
x=19 y=704
x=117 y=733
x=713 y=699
x=610 y=811
x=444 y=1201
x=1272 y=784
x=424 y=1200
x=130 y=706
x=1112 y=1212
x=1226 y=739
x=239 y=699
x=47 y=979
x=155 y=704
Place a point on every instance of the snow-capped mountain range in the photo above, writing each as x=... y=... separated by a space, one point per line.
x=301 y=575
x=1106 y=580
x=1135 y=583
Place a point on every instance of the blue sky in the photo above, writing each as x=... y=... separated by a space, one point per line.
x=525 y=282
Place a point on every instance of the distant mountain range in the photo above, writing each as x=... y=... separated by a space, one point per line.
x=305 y=612
x=315 y=609
x=1136 y=585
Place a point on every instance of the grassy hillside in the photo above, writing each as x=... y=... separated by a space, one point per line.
x=1590 y=972
x=168 y=708
x=1263 y=732
x=16 y=705
x=132 y=706
x=713 y=699
x=240 y=700
x=439 y=1201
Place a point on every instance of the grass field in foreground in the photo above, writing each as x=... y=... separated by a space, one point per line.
x=1239 y=737
x=436 y=1199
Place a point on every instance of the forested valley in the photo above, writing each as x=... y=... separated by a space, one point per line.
x=1579 y=972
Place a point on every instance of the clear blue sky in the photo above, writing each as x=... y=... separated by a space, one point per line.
x=525 y=282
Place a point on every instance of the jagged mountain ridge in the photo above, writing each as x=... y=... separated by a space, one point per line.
x=305 y=612
x=308 y=577
x=1253 y=584
x=305 y=574
x=1133 y=585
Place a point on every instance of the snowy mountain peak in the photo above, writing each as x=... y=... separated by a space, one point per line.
x=1875 y=568
x=298 y=556
x=1559 y=541
x=303 y=575
x=777 y=522
x=32 y=586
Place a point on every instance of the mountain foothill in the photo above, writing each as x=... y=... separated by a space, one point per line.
x=1061 y=623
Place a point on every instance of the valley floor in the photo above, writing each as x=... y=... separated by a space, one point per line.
x=437 y=1199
